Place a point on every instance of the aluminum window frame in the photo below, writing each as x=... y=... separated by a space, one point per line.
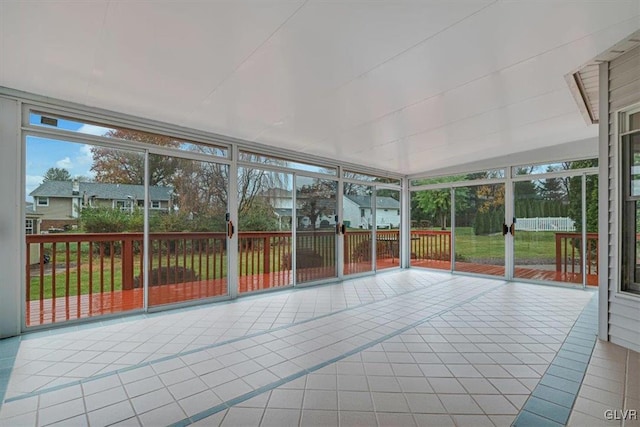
x=627 y=262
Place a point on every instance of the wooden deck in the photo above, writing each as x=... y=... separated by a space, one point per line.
x=528 y=273
x=47 y=311
x=60 y=309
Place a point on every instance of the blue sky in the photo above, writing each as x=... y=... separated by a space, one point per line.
x=45 y=153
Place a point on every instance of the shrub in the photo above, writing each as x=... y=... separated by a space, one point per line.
x=167 y=276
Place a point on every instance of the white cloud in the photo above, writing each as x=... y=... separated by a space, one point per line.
x=93 y=130
x=85 y=157
x=31 y=183
x=65 y=163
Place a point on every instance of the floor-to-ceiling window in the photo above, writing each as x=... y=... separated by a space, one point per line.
x=460 y=222
x=265 y=212
x=358 y=218
x=431 y=228
x=187 y=236
x=316 y=237
x=87 y=259
x=479 y=241
x=388 y=242
x=556 y=212
x=121 y=219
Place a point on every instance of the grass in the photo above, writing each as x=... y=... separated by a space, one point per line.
x=534 y=247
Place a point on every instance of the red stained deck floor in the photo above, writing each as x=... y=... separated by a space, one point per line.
x=83 y=306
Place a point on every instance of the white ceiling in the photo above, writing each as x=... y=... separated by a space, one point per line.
x=406 y=86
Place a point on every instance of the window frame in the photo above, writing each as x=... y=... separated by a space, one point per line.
x=29 y=229
x=40 y=199
x=629 y=284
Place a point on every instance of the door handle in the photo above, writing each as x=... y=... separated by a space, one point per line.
x=343 y=228
x=230 y=229
x=338 y=228
x=505 y=229
x=512 y=229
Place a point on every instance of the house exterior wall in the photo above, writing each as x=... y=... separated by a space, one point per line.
x=59 y=208
x=622 y=323
x=351 y=213
x=384 y=217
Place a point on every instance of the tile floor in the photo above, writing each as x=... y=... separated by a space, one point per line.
x=401 y=348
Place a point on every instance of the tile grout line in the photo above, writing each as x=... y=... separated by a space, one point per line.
x=268 y=387
x=207 y=347
x=527 y=416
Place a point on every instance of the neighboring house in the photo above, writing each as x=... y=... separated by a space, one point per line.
x=60 y=202
x=32 y=226
x=358 y=212
x=281 y=202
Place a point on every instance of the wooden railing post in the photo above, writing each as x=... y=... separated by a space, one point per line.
x=267 y=254
x=558 y=252
x=127 y=263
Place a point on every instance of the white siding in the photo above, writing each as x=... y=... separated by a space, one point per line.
x=623 y=322
x=384 y=217
x=351 y=212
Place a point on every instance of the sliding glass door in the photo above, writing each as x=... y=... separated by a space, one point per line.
x=188 y=233
x=265 y=213
x=316 y=237
x=479 y=240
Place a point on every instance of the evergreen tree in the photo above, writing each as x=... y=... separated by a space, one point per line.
x=56 y=174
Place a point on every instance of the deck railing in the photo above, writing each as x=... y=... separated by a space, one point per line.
x=86 y=274
x=569 y=250
x=76 y=272
x=432 y=245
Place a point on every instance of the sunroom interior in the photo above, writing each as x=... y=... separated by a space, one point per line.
x=202 y=161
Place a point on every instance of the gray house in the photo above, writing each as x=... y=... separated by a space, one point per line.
x=59 y=203
x=359 y=213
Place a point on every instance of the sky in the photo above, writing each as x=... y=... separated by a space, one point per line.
x=45 y=153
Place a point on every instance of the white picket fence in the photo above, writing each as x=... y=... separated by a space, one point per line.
x=546 y=224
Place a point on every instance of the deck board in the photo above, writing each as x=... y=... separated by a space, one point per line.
x=61 y=309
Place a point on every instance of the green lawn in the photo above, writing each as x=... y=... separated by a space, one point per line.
x=529 y=245
x=249 y=265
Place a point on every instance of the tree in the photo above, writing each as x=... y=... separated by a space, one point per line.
x=575 y=196
x=56 y=174
x=437 y=203
x=124 y=167
x=316 y=200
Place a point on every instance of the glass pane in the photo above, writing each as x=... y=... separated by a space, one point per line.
x=634 y=122
x=370 y=178
x=316 y=235
x=247 y=156
x=487 y=174
x=265 y=203
x=548 y=238
x=388 y=228
x=431 y=229
x=88 y=128
x=357 y=216
x=592 y=230
x=554 y=167
x=84 y=231
x=634 y=164
x=631 y=219
x=188 y=243
x=634 y=285
x=479 y=243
